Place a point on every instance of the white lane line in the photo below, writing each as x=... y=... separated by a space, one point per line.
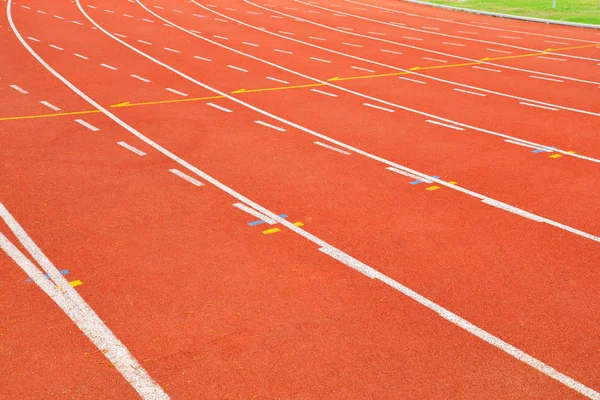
x=351 y=44
x=377 y=33
x=468 y=33
x=552 y=58
x=200 y=16
x=41 y=12
x=410 y=175
x=547 y=150
x=56 y=47
x=390 y=51
x=317 y=38
x=140 y=78
x=325 y=93
x=191 y=30
x=510 y=37
x=171 y=50
x=77 y=22
x=119 y=35
x=255 y=213
x=554 y=42
x=538 y=106
x=344 y=28
x=332 y=148
x=220 y=20
x=320 y=59
x=434 y=59
x=487 y=69
x=50 y=105
x=228 y=9
x=132 y=149
x=468 y=92
x=286 y=33
x=221 y=37
x=254 y=13
x=177 y=11
x=227 y=110
x=276 y=16
x=277 y=80
x=290 y=8
x=109 y=67
x=58 y=17
x=80 y=56
x=283 y=51
x=411 y=38
x=458 y=128
x=202 y=58
x=109 y=11
x=454 y=44
x=430 y=27
x=176 y=92
x=546 y=79
x=147 y=20
x=87 y=125
x=73 y=305
x=19 y=89
x=186 y=177
x=211 y=5
x=143 y=41
x=377 y=107
x=270 y=126
x=362 y=69
x=237 y=68
x=34 y=39
x=159 y=7
x=500 y=51
x=250 y=44
x=412 y=80
x=128 y=16
x=28 y=8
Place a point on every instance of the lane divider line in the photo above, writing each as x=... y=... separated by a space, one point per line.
x=132 y=149
x=277 y=128
x=50 y=105
x=260 y=221
x=87 y=125
x=332 y=148
x=262 y=217
x=186 y=177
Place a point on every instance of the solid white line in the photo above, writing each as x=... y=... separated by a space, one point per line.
x=80 y=56
x=250 y=44
x=140 y=78
x=34 y=39
x=87 y=125
x=171 y=50
x=283 y=51
x=19 y=89
x=362 y=69
x=132 y=149
x=410 y=175
x=466 y=91
x=202 y=58
x=390 y=51
x=176 y=92
x=277 y=128
x=500 y=51
x=238 y=68
x=317 y=38
x=377 y=107
x=186 y=177
x=412 y=80
x=552 y=58
x=486 y=69
x=109 y=67
x=332 y=148
x=320 y=59
x=218 y=107
x=56 y=47
x=351 y=44
x=454 y=44
x=458 y=128
x=325 y=93
x=434 y=59
x=50 y=105
x=255 y=213
x=528 y=145
x=277 y=80
x=546 y=79
x=538 y=106
x=143 y=41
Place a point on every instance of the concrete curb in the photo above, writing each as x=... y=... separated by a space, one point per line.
x=493 y=14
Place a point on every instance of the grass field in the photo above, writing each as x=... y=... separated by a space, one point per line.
x=583 y=11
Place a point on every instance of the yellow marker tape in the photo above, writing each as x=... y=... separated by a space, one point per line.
x=272 y=230
x=430 y=188
x=75 y=283
x=298 y=224
x=571 y=152
x=453 y=183
x=556 y=156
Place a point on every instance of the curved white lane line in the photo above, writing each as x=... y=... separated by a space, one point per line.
x=419 y=48
x=448 y=35
x=324 y=246
x=374 y=98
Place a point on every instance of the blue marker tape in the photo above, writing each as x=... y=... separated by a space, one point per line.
x=62 y=272
x=260 y=221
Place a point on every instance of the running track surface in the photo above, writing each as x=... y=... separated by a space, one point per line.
x=349 y=199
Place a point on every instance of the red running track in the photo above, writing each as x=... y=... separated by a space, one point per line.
x=440 y=236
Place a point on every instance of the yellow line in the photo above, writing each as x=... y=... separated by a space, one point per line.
x=575 y=47
x=147 y=103
x=337 y=78
x=276 y=88
x=49 y=115
x=517 y=56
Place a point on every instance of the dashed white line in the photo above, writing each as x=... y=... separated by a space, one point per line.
x=500 y=51
x=28 y=8
x=320 y=59
x=147 y=20
x=362 y=69
x=87 y=125
x=250 y=44
x=430 y=27
x=411 y=38
x=200 y=16
x=186 y=177
x=202 y=58
x=377 y=107
x=159 y=7
x=80 y=56
x=390 y=51
x=277 y=128
x=176 y=92
x=41 y=12
x=50 y=105
x=237 y=68
x=109 y=11
x=317 y=38
x=468 y=92
x=228 y=9
x=325 y=93
x=510 y=37
x=220 y=20
x=178 y=11
x=377 y=33
x=19 y=89
x=143 y=41
x=351 y=44
x=276 y=16
x=538 y=106
x=56 y=47
x=132 y=149
x=458 y=128
x=77 y=22
x=119 y=35
x=332 y=148
x=218 y=107
x=34 y=39
x=454 y=44
x=553 y=42
x=468 y=33
x=58 y=17
x=277 y=80
x=412 y=80
x=128 y=16
x=546 y=79
x=283 y=51
x=344 y=28
x=553 y=58
x=487 y=69
x=434 y=59
x=171 y=50
x=286 y=33
x=221 y=37
x=140 y=78
x=109 y=67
